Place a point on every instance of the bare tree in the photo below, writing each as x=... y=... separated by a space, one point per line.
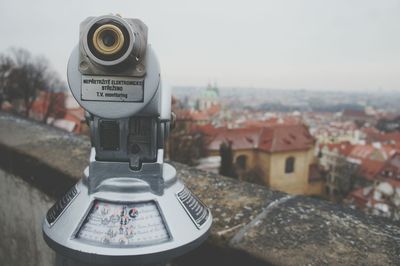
x=186 y=147
x=5 y=68
x=53 y=102
x=26 y=78
x=227 y=167
x=22 y=77
x=343 y=177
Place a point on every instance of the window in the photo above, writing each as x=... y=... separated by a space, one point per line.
x=289 y=165
x=241 y=162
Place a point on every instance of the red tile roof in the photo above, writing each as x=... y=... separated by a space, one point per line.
x=359 y=193
x=186 y=114
x=391 y=168
x=364 y=197
x=199 y=116
x=241 y=138
x=182 y=114
x=392 y=136
x=277 y=138
x=42 y=103
x=288 y=120
x=362 y=151
x=359 y=197
x=373 y=135
x=354 y=113
x=372 y=153
x=207 y=129
x=370 y=169
x=286 y=138
x=213 y=110
x=78 y=113
x=344 y=148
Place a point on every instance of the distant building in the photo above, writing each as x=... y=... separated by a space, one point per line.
x=372 y=135
x=381 y=195
x=74 y=119
x=337 y=132
x=382 y=198
x=350 y=166
x=209 y=98
x=183 y=119
x=392 y=168
x=339 y=171
x=358 y=116
x=48 y=105
x=374 y=152
x=76 y=116
x=205 y=111
x=280 y=157
x=200 y=118
x=389 y=124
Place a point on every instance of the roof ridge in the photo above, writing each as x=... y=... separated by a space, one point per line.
x=273 y=141
x=260 y=137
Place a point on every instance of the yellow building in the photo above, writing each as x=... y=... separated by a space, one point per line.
x=280 y=157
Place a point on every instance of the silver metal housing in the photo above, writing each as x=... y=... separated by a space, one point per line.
x=128 y=112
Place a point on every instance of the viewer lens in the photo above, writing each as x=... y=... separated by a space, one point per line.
x=109 y=38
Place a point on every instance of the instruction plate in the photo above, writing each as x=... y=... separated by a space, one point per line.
x=124 y=224
x=112 y=89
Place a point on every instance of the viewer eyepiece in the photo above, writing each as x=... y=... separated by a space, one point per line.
x=111 y=40
x=108 y=39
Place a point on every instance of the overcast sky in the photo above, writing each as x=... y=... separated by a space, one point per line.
x=311 y=44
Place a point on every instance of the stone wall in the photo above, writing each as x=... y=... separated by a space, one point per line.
x=252 y=225
x=22 y=208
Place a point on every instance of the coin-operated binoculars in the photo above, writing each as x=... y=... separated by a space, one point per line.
x=129 y=208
